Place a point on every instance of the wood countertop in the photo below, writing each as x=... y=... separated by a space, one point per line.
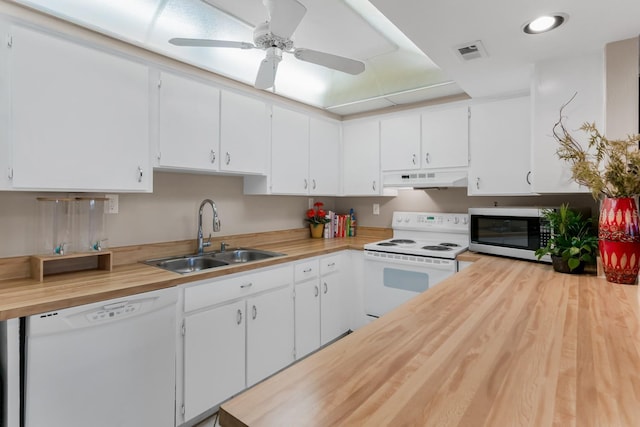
x=502 y=343
x=25 y=297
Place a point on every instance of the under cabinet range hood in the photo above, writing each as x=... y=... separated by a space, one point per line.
x=425 y=179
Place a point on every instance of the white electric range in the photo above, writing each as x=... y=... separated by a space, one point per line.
x=421 y=254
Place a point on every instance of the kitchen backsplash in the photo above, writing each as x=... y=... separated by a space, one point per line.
x=170 y=213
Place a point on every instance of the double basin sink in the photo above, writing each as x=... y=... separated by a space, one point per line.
x=190 y=263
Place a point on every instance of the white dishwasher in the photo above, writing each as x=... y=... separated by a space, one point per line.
x=108 y=364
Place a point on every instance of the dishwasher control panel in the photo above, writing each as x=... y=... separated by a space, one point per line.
x=115 y=312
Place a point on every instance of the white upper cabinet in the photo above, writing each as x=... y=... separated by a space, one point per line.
x=244 y=134
x=289 y=152
x=361 y=154
x=400 y=143
x=500 y=140
x=188 y=124
x=5 y=105
x=445 y=138
x=79 y=116
x=324 y=157
x=554 y=83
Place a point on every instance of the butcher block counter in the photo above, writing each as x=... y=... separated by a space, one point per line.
x=26 y=296
x=502 y=343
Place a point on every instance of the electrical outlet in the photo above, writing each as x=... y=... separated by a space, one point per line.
x=376 y=209
x=310 y=202
x=111 y=205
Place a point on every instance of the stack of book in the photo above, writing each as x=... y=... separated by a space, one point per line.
x=340 y=225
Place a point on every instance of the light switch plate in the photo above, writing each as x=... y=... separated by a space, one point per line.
x=376 y=209
x=111 y=206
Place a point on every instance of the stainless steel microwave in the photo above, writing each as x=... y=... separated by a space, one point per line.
x=510 y=231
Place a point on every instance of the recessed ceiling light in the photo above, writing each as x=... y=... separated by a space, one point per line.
x=545 y=23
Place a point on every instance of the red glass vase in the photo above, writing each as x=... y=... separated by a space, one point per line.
x=619 y=239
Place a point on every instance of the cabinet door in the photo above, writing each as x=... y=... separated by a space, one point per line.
x=270 y=335
x=214 y=357
x=500 y=139
x=324 y=157
x=289 y=152
x=333 y=307
x=445 y=138
x=5 y=106
x=361 y=145
x=400 y=143
x=243 y=134
x=307 y=317
x=554 y=83
x=188 y=124
x=80 y=117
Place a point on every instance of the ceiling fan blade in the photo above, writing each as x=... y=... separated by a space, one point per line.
x=328 y=60
x=267 y=72
x=210 y=43
x=284 y=16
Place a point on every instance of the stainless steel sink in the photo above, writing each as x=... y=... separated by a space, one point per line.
x=190 y=263
x=242 y=255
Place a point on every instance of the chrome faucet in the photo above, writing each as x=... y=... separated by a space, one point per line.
x=216 y=225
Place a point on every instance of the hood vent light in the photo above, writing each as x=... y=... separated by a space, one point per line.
x=471 y=50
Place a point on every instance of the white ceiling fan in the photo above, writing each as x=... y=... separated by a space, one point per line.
x=274 y=37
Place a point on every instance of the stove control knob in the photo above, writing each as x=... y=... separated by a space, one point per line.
x=456 y=220
x=465 y=220
x=407 y=219
x=398 y=219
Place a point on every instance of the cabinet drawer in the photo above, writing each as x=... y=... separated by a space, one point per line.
x=306 y=270
x=212 y=292
x=329 y=264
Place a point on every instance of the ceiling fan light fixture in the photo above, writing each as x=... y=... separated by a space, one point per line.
x=545 y=23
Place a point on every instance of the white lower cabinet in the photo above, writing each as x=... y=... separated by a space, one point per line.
x=236 y=331
x=269 y=333
x=320 y=303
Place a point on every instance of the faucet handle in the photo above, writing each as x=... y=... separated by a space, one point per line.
x=223 y=246
x=208 y=242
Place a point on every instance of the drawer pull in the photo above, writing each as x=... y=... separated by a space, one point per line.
x=246 y=285
x=239 y=317
x=307 y=270
x=317 y=291
x=332 y=264
x=254 y=311
x=326 y=288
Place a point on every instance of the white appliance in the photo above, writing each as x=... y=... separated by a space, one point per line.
x=421 y=254
x=108 y=364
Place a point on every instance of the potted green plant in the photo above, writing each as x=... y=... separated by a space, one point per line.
x=573 y=242
x=611 y=170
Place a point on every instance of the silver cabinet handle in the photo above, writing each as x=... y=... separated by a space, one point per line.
x=332 y=264
x=139 y=174
x=307 y=270
x=413 y=158
x=317 y=291
x=478 y=183
x=306 y=183
x=374 y=185
x=228 y=158
x=213 y=156
x=427 y=158
x=246 y=285
x=239 y=317
x=528 y=178
x=10 y=173
x=326 y=288
x=313 y=184
x=254 y=312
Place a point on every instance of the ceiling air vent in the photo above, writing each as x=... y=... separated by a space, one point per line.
x=471 y=50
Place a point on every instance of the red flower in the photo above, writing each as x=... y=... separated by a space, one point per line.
x=317 y=215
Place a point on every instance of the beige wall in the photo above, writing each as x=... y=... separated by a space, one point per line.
x=451 y=200
x=622 y=88
x=170 y=213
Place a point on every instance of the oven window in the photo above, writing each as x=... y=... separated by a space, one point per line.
x=407 y=280
x=503 y=232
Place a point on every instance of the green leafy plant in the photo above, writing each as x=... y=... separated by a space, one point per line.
x=317 y=215
x=573 y=237
x=606 y=166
